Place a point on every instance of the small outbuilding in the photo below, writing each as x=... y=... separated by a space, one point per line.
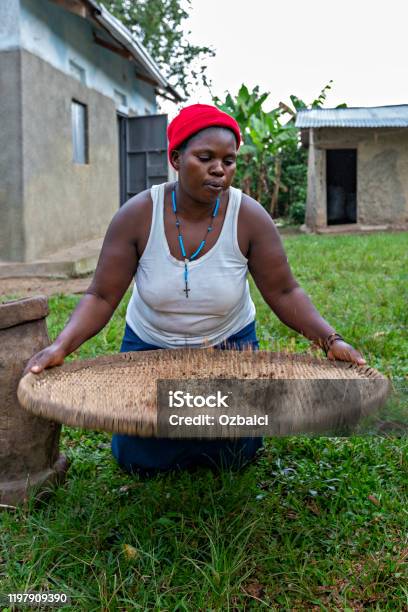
x=357 y=168
x=79 y=124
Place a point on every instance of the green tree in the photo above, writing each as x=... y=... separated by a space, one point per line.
x=271 y=165
x=266 y=137
x=292 y=199
x=292 y=202
x=298 y=104
x=157 y=23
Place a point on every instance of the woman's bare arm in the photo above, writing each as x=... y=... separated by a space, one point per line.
x=271 y=272
x=117 y=265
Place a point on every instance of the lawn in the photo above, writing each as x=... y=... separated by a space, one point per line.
x=315 y=524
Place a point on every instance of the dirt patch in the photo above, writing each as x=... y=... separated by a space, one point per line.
x=27 y=287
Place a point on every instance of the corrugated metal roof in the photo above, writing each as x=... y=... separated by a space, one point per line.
x=135 y=47
x=363 y=117
x=126 y=39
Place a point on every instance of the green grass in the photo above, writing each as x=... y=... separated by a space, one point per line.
x=315 y=524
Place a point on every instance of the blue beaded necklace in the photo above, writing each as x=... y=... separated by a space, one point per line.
x=180 y=238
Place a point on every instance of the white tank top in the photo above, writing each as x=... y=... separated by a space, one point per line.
x=219 y=303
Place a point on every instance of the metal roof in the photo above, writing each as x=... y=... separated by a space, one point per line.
x=122 y=35
x=357 y=117
x=135 y=47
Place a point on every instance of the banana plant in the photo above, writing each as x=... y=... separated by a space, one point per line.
x=265 y=136
x=269 y=137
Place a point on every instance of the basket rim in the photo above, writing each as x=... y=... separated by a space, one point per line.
x=146 y=424
x=120 y=359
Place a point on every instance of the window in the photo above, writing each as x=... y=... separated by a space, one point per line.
x=79 y=114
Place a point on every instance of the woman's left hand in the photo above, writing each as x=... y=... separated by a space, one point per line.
x=345 y=352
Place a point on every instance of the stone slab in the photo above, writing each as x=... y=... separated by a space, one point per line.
x=71 y=262
x=16 y=312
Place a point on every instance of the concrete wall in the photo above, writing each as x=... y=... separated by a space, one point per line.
x=382 y=174
x=60 y=37
x=11 y=158
x=316 y=205
x=65 y=202
x=46 y=201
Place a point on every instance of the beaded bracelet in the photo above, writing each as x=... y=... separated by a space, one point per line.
x=327 y=343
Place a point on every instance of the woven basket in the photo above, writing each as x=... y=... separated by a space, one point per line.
x=118 y=393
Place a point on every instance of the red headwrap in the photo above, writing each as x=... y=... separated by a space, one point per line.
x=196 y=117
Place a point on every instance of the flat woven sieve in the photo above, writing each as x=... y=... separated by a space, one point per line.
x=117 y=393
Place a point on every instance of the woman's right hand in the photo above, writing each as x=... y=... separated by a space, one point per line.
x=47 y=358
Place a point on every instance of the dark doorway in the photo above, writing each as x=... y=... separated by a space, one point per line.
x=341 y=180
x=142 y=153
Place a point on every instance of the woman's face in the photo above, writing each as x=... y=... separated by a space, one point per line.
x=207 y=165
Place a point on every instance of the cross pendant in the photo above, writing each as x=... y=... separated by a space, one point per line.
x=186 y=290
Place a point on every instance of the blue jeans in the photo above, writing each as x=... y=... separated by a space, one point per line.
x=148 y=456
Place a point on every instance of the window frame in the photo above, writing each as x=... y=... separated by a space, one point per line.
x=80 y=140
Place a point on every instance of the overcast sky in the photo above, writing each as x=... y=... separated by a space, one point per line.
x=293 y=46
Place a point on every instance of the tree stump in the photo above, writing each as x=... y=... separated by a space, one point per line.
x=29 y=445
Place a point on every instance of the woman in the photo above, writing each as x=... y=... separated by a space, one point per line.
x=191 y=244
